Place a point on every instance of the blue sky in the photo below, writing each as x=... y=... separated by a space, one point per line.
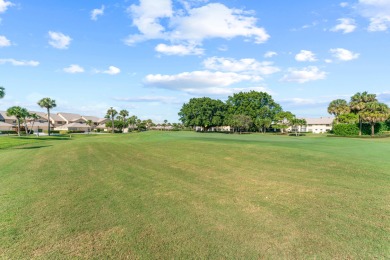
x=151 y=56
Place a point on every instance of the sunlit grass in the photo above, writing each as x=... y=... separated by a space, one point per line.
x=192 y=195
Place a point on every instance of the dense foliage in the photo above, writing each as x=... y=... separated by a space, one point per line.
x=242 y=111
x=363 y=108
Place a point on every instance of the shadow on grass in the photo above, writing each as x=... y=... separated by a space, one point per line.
x=32 y=147
x=46 y=138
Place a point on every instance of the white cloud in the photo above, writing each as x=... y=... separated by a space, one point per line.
x=96 y=12
x=190 y=81
x=328 y=60
x=344 y=4
x=343 y=54
x=248 y=66
x=4 y=5
x=384 y=97
x=59 y=40
x=4 y=42
x=14 y=62
x=305 y=55
x=346 y=25
x=146 y=17
x=303 y=75
x=112 y=70
x=74 y=68
x=378 y=13
x=220 y=91
x=158 y=20
x=270 y=54
x=180 y=49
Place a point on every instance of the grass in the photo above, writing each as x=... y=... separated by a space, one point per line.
x=194 y=195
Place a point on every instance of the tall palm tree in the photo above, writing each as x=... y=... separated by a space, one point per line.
x=19 y=113
x=2 y=92
x=375 y=112
x=338 y=107
x=47 y=103
x=111 y=113
x=132 y=121
x=358 y=104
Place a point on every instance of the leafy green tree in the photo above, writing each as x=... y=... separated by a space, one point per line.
x=132 y=121
x=283 y=120
x=19 y=113
x=2 y=92
x=254 y=104
x=263 y=123
x=205 y=112
x=358 y=104
x=375 y=112
x=47 y=103
x=111 y=113
x=338 y=107
x=118 y=124
x=297 y=123
x=241 y=122
x=350 y=118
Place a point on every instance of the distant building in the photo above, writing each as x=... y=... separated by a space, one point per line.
x=315 y=125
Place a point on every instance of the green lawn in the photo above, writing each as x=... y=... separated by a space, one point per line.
x=191 y=195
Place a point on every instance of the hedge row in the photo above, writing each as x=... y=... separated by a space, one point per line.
x=353 y=129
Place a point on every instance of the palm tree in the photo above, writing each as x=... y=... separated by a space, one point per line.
x=2 y=92
x=338 y=107
x=111 y=113
x=358 y=104
x=132 y=121
x=47 y=103
x=33 y=117
x=19 y=113
x=89 y=123
x=375 y=112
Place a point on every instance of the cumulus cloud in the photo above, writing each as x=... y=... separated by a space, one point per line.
x=59 y=40
x=74 y=68
x=158 y=20
x=4 y=42
x=346 y=25
x=96 y=12
x=246 y=66
x=179 y=49
x=343 y=54
x=378 y=13
x=303 y=75
x=305 y=55
x=270 y=54
x=14 y=62
x=4 y=5
x=112 y=70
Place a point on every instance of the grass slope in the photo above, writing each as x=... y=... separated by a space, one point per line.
x=192 y=195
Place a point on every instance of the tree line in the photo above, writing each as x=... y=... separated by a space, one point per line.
x=243 y=111
x=363 y=108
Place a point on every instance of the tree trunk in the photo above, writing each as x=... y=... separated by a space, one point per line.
x=18 y=126
x=372 y=129
x=360 y=126
x=48 y=122
x=25 y=127
x=112 y=124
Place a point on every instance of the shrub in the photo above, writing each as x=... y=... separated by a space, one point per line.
x=75 y=131
x=346 y=129
x=8 y=132
x=63 y=132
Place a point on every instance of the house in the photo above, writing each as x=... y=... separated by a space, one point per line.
x=74 y=127
x=95 y=120
x=7 y=119
x=316 y=125
x=5 y=126
x=71 y=118
x=55 y=120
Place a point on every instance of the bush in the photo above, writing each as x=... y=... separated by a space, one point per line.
x=299 y=134
x=346 y=129
x=63 y=132
x=52 y=131
x=75 y=132
x=379 y=128
x=8 y=132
